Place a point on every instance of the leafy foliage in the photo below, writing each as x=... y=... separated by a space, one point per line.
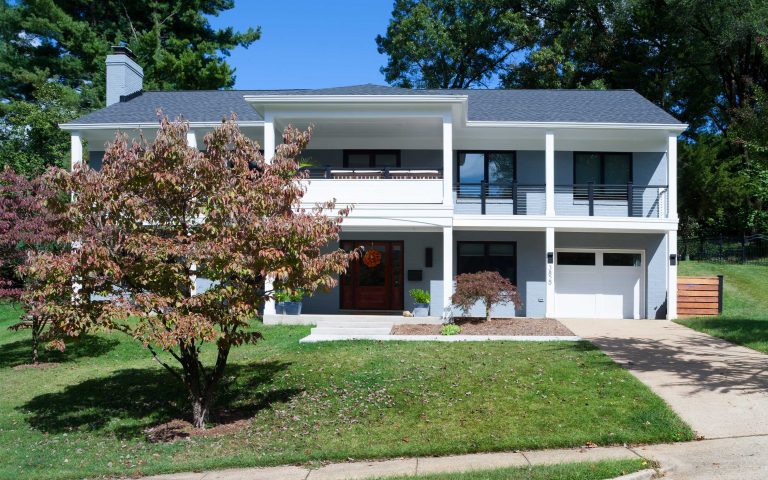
x=420 y=296
x=288 y=296
x=65 y=41
x=490 y=288
x=26 y=226
x=450 y=329
x=157 y=214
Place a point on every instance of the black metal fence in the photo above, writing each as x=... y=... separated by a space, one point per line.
x=746 y=249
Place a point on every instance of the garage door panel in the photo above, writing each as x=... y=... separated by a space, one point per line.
x=598 y=291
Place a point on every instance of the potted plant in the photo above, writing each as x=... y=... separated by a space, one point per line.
x=288 y=303
x=421 y=300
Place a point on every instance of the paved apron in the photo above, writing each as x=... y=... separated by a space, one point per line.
x=720 y=389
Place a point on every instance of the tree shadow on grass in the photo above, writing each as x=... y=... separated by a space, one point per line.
x=20 y=351
x=128 y=401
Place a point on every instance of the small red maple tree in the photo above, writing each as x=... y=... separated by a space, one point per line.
x=490 y=288
x=159 y=213
x=26 y=226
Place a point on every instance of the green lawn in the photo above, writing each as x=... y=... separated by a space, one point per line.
x=334 y=401
x=568 y=471
x=745 y=303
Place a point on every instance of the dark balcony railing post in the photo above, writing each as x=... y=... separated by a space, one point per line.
x=483 y=194
x=591 y=198
x=514 y=198
x=386 y=172
x=327 y=172
x=630 y=199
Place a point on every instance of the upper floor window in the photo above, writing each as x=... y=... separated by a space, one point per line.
x=371 y=158
x=489 y=167
x=602 y=168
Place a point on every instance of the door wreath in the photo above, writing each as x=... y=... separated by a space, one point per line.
x=372 y=258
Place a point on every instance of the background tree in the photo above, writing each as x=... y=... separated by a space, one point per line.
x=66 y=41
x=158 y=213
x=26 y=226
x=488 y=288
x=452 y=43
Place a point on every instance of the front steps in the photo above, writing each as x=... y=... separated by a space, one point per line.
x=352 y=329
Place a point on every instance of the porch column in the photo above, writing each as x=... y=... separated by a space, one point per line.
x=447 y=270
x=269 y=153
x=672 y=175
x=192 y=142
x=549 y=162
x=448 y=160
x=76 y=150
x=269 y=137
x=672 y=274
x=549 y=311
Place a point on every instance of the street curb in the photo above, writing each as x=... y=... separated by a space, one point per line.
x=647 y=474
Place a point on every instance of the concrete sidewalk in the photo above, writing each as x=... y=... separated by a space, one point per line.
x=718 y=388
x=412 y=466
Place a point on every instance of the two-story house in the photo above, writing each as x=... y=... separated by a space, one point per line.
x=571 y=194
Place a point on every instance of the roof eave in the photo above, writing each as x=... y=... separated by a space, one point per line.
x=71 y=126
x=678 y=127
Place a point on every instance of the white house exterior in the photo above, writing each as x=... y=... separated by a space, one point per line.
x=572 y=194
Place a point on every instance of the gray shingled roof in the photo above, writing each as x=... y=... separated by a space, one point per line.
x=590 y=106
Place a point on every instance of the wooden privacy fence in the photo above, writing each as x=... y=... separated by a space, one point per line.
x=697 y=296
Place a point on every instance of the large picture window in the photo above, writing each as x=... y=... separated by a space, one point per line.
x=609 y=172
x=497 y=169
x=371 y=158
x=499 y=257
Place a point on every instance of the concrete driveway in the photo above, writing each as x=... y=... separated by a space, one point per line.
x=720 y=389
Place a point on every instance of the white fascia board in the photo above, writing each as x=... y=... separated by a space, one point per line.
x=676 y=127
x=146 y=125
x=353 y=99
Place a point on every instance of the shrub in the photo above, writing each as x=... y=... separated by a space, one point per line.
x=490 y=288
x=420 y=296
x=450 y=329
x=287 y=296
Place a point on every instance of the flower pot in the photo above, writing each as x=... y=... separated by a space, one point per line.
x=420 y=309
x=292 y=308
x=280 y=308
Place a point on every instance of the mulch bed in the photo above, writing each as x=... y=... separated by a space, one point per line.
x=41 y=365
x=180 y=429
x=496 y=326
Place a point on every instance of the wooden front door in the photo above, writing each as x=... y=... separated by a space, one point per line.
x=375 y=281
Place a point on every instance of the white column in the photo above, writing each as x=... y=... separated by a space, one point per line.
x=192 y=142
x=447 y=270
x=191 y=138
x=672 y=275
x=672 y=174
x=76 y=149
x=549 y=311
x=269 y=153
x=549 y=161
x=269 y=137
x=448 y=160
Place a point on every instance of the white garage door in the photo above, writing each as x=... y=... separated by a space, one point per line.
x=599 y=284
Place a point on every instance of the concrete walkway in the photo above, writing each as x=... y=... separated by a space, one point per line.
x=412 y=466
x=720 y=389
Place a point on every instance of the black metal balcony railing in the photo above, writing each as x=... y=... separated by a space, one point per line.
x=499 y=198
x=616 y=200
x=628 y=200
x=373 y=173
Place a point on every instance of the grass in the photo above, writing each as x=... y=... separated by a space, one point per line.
x=86 y=417
x=745 y=303
x=566 y=471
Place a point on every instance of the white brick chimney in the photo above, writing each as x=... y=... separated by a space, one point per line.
x=124 y=75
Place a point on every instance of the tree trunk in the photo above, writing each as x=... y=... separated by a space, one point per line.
x=487 y=312
x=35 y=344
x=201 y=406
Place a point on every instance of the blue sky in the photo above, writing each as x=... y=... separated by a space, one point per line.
x=308 y=44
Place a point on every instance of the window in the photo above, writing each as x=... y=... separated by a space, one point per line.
x=621 y=259
x=497 y=169
x=609 y=172
x=371 y=158
x=499 y=257
x=576 y=258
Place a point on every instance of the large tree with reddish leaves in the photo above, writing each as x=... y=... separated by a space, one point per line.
x=488 y=288
x=26 y=226
x=160 y=213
